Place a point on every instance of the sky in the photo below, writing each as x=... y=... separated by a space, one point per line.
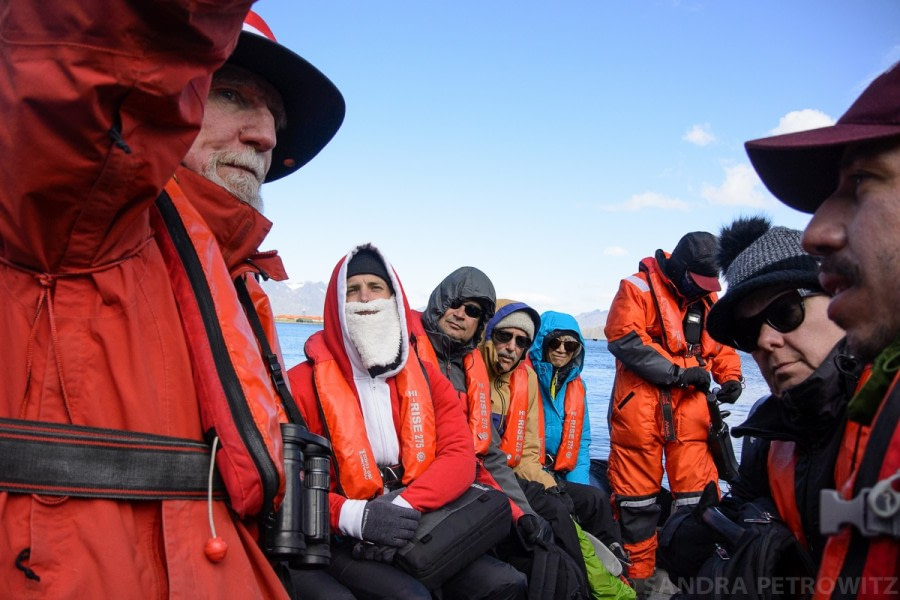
x=554 y=144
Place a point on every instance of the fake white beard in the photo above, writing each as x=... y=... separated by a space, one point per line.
x=377 y=335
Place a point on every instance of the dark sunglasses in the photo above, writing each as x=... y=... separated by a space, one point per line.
x=472 y=310
x=784 y=314
x=569 y=345
x=503 y=337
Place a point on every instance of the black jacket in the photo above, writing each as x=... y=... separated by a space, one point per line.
x=811 y=414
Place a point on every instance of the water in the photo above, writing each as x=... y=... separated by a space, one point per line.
x=598 y=374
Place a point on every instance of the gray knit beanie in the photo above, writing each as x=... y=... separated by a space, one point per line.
x=754 y=255
x=518 y=319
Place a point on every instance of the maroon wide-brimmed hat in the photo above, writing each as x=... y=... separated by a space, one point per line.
x=801 y=169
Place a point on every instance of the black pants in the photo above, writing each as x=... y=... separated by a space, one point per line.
x=552 y=510
x=594 y=512
x=485 y=578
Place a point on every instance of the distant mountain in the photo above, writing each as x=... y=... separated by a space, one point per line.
x=308 y=298
x=298 y=299
x=592 y=324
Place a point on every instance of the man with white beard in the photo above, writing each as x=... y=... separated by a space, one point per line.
x=400 y=439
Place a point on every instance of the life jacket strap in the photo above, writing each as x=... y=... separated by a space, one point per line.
x=58 y=459
x=392 y=476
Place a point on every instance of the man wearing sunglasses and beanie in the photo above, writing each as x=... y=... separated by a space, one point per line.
x=517 y=416
x=665 y=361
x=776 y=310
x=848 y=176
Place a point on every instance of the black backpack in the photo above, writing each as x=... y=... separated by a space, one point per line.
x=554 y=575
x=761 y=559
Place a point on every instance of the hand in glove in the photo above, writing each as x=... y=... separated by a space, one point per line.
x=731 y=391
x=532 y=528
x=696 y=377
x=377 y=552
x=388 y=524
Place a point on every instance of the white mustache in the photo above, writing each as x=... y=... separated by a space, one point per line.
x=245 y=159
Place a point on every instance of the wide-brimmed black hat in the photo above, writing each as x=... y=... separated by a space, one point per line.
x=314 y=106
x=801 y=169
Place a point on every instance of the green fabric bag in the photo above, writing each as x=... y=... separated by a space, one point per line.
x=604 y=585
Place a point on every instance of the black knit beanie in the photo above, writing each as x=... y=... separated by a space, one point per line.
x=368 y=262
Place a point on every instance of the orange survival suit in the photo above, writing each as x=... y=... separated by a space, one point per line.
x=649 y=417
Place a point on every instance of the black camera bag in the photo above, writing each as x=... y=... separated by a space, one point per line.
x=449 y=538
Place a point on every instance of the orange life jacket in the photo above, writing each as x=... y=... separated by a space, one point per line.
x=671 y=316
x=237 y=399
x=572 y=427
x=850 y=559
x=781 y=467
x=477 y=399
x=358 y=474
x=512 y=442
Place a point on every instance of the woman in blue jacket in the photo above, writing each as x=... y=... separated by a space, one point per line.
x=557 y=356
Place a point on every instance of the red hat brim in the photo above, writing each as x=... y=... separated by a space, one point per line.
x=708 y=283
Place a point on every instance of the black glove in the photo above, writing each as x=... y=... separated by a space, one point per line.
x=377 y=552
x=731 y=391
x=388 y=524
x=532 y=528
x=696 y=377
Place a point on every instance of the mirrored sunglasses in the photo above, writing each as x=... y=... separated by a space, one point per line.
x=472 y=310
x=784 y=314
x=502 y=337
x=569 y=345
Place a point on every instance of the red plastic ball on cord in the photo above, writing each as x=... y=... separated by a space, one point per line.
x=216 y=549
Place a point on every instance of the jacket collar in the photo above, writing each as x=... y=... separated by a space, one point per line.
x=238 y=227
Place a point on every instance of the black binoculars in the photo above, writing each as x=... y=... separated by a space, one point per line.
x=299 y=532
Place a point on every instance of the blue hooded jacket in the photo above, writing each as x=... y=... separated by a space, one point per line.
x=554 y=411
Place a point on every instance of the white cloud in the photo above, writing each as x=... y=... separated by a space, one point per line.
x=614 y=251
x=801 y=120
x=701 y=135
x=648 y=200
x=740 y=188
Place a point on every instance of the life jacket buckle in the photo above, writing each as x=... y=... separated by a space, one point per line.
x=874 y=511
x=392 y=476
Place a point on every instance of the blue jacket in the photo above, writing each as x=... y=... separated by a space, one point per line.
x=554 y=407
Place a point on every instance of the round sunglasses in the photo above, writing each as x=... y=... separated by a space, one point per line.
x=783 y=314
x=503 y=337
x=569 y=345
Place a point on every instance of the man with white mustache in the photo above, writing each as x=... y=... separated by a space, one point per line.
x=400 y=439
x=848 y=176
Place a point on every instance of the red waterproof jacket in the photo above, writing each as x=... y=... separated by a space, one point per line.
x=98 y=120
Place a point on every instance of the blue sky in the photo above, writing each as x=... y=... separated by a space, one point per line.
x=555 y=144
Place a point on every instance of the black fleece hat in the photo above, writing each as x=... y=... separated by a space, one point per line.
x=368 y=262
x=696 y=254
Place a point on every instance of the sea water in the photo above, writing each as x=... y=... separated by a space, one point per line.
x=598 y=374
